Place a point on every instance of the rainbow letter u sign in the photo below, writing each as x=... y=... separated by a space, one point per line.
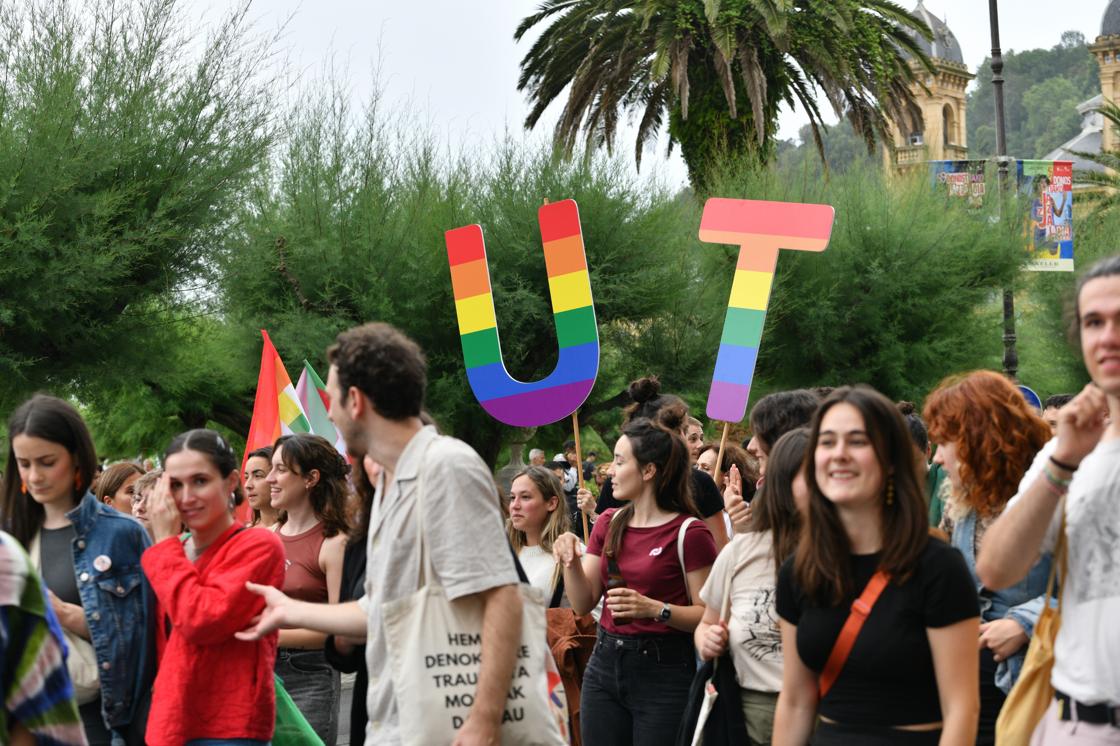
x=565 y=389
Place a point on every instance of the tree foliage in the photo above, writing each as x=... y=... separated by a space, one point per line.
x=1041 y=91
x=122 y=159
x=716 y=71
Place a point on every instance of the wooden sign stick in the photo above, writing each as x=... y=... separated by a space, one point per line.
x=719 y=458
x=579 y=472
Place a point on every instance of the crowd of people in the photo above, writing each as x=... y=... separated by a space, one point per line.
x=865 y=572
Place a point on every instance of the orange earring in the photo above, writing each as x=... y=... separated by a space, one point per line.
x=23 y=487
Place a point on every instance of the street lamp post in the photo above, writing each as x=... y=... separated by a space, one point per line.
x=1010 y=356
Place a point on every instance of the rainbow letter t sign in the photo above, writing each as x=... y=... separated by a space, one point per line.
x=760 y=229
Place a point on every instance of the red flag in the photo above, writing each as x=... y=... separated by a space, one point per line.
x=265 y=427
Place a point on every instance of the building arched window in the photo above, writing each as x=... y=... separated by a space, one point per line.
x=949 y=126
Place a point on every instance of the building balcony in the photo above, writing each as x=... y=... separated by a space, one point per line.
x=956 y=152
x=913 y=155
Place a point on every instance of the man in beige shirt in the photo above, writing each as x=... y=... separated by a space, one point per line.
x=376 y=383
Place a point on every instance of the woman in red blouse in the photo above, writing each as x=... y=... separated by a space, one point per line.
x=200 y=584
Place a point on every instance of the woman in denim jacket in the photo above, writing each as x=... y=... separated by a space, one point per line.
x=90 y=560
x=987 y=436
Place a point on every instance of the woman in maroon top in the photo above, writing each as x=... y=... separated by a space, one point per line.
x=637 y=681
x=308 y=486
x=203 y=601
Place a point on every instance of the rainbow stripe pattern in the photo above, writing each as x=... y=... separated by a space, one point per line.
x=760 y=229
x=567 y=387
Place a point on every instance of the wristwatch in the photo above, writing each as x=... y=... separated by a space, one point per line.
x=663 y=617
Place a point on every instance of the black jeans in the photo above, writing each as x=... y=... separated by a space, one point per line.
x=635 y=689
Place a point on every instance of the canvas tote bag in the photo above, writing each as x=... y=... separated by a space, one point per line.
x=1032 y=694
x=435 y=649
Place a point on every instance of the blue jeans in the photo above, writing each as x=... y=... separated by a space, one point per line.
x=635 y=689
x=315 y=688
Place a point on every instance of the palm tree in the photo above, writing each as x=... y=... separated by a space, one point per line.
x=695 y=63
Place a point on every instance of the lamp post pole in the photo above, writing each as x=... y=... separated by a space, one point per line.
x=1010 y=355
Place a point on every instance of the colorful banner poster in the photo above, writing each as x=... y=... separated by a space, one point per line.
x=963 y=179
x=1046 y=191
x=1049 y=187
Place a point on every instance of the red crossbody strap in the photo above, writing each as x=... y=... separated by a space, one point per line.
x=861 y=608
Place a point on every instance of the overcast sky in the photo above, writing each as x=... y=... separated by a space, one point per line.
x=455 y=61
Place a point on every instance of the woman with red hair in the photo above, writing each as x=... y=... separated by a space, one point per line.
x=987 y=436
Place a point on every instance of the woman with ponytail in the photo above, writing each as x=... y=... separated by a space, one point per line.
x=671 y=412
x=650 y=558
x=308 y=486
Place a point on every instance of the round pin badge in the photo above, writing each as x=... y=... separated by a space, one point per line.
x=102 y=563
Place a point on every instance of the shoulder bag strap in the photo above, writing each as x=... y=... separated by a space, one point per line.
x=427 y=569
x=558 y=594
x=1055 y=583
x=680 y=554
x=861 y=608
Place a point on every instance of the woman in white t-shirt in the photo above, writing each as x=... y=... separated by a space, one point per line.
x=537 y=515
x=753 y=559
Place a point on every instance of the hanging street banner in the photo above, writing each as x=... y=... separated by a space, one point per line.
x=1046 y=190
x=1049 y=187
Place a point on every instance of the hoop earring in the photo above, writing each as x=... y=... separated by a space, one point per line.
x=23 y=487
x=890 y=492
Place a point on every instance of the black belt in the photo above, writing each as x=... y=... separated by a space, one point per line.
x=1099 y=714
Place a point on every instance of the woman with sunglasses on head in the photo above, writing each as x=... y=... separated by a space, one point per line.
x=648 y=560
x=308 y=486
x=909 y=675
x=211 y=688
x=987 y=436
x=89 y=557
x=142 y=491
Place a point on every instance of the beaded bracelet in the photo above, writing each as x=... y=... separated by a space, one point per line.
x=1055 y=480
x=1054 y=489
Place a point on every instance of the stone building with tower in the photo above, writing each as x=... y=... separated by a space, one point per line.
x=941 y=135
x=1097 y=133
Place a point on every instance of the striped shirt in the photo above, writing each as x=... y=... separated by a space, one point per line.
x=35 y=685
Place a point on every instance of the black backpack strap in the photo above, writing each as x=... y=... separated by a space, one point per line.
x=557 y=594
x=517 y=563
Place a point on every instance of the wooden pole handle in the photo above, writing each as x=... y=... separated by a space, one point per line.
x=719 y=458
x=579 y=471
